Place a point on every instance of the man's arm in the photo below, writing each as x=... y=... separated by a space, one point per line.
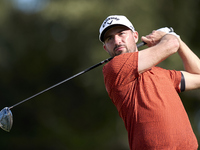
x=191 y=65
x=161 y=46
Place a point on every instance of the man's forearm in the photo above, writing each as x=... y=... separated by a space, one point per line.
x=153 y=55
x=190 y=61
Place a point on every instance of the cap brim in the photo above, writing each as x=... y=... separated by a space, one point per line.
x=106 y=29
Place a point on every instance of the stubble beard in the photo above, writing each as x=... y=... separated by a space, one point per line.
x=116 y=53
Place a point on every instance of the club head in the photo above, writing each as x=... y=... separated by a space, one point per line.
x=6 y=119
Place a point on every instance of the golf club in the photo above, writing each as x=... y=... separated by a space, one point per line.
x=6 y=117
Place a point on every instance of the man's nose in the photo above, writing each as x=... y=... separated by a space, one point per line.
x=117 y=39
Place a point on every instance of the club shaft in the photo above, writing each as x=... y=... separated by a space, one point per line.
x=80 y=73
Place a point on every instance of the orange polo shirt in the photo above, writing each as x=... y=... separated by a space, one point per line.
x=149 y=105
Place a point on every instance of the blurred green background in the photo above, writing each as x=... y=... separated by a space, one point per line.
x=43 y=42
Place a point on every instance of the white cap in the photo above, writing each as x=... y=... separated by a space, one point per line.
x=114 y=20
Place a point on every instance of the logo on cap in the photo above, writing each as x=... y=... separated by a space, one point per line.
x=110 y=20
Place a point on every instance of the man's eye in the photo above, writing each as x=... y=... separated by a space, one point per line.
x=121 y=33
x=109 y=38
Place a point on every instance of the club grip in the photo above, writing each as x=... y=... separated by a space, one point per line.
x=141 y=44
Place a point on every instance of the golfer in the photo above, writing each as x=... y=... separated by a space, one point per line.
x=146 y=96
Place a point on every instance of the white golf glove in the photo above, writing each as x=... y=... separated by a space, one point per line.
x=168 y=31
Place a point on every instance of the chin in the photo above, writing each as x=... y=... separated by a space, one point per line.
x=119 y=53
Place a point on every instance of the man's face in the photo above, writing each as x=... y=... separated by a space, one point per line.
x=119 y=40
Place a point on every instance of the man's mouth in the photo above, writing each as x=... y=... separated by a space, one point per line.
x=118 y=48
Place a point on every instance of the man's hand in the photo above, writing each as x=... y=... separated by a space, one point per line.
x=155 y=37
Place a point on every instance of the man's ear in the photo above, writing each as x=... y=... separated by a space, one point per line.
x=135 y=34
x=104 y=46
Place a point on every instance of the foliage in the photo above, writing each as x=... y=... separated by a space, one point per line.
x=43 y=47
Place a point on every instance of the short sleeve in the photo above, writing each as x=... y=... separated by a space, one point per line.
x=176 y=79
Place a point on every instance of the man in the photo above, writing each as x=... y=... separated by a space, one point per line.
x=146 y=96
